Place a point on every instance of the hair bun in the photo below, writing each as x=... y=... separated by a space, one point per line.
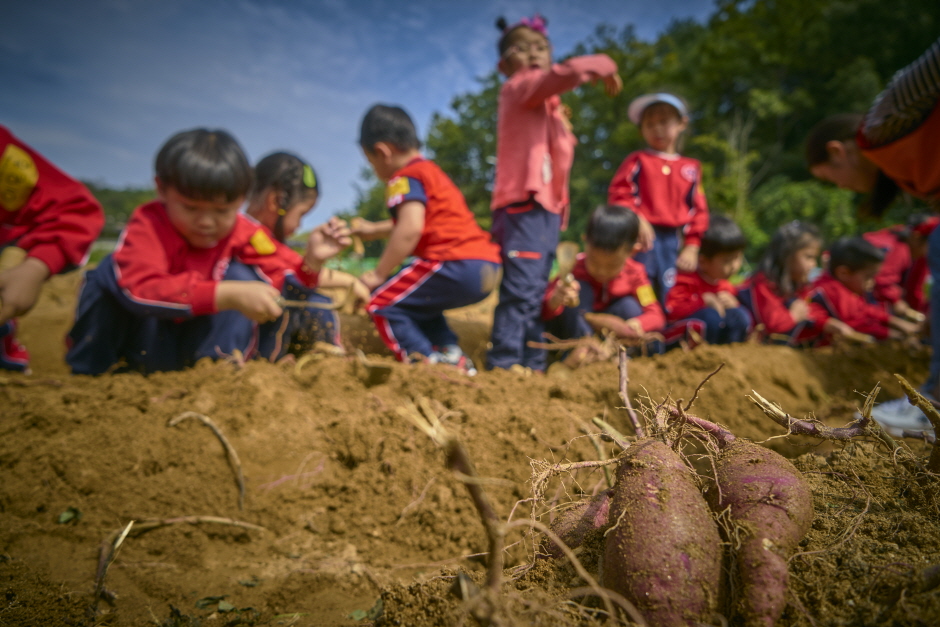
x=501 y=23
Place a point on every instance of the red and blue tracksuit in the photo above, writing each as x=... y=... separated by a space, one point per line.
x=771 y=311
x=831 y=299
x=151 y=304
x=666 y=190
x=629 y=296
x=50 y=215
x=455 y=264
x=686 y=309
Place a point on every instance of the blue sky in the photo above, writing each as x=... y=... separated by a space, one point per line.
x=98 y=85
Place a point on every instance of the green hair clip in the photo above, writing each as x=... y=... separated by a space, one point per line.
x=310 y=179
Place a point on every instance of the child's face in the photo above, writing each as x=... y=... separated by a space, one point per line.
x=202 y=223
x=661 y=126
x=721 y=266
x=604 y=265
x=527 y=49
x=804 y=261
x=846 y=168
x=860 y=281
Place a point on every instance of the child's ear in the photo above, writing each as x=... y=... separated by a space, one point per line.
x=636 y=248
x=836 y=150
x=271 y=204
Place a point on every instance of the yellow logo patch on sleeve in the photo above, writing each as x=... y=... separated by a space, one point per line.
x=18 y=177
x=395 y=191
x=262 y=243
x=645 y=295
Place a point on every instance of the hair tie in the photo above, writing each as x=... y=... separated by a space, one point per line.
x=310 y=179
x=536 y=23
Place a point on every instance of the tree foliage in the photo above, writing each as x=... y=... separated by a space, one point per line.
x=756 y=75
x=118 y=204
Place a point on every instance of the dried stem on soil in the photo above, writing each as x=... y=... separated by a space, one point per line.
x=233 y=460
x=918 y=400
x=106 y=554
x=625 y=395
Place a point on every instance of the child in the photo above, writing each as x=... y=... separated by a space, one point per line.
x=705 y=300
x=534 y=153
x=455 y=263
x=900 y=281
x=191 y=277
x=776 y=294
x=48 y=223
x=610 y=291
x=664 y=188
x=840 y=293
x=893 y=145
x=285 y=190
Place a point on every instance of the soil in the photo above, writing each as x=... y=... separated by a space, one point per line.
x=356 y=506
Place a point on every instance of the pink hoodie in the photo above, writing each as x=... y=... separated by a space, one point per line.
x=534 y=147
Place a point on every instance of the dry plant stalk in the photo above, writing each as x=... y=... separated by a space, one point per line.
x=106 y=554
x=233 y=460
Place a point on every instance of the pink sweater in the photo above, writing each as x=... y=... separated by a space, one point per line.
x=534 y=148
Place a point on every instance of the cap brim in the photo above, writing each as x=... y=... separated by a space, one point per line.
x=638 y=106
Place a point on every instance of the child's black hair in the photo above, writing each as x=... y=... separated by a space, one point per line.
x=854 y=253
x=841 y=127
x=723 y=236
x=389 y=124
x=786 y=242
x=507 y=33
x=288 y=175
x=612 y=227
x=204 y=164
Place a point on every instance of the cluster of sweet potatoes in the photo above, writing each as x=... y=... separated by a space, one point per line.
x=663 y=546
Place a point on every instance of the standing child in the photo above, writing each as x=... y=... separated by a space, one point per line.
x=285 y=190
x=777 y=293
x=191 y=277
x=455 y=263
x=47 y=225
x=534 y=153
x=839 y=293
x=665 y=190
x=610 y=291
x=704 y=299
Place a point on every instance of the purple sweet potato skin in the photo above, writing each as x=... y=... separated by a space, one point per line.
x=665 y=553
x=773 y=505
x=573 y=524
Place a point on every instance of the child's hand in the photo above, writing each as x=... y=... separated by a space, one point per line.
x=362 y=293
x=646 y=235
x=612 y=84
x=565 y=295
x=255 y=300
x=601 y=322
x=20 y=287
x=799 y=310
x=367 y=230
x=326 y=241
x=688 y=259
x=727 y=300
x=906 y=327
x=840 y=329
x=372 y=279
x=714 y=301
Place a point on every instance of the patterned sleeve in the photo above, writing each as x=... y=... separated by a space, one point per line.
x=907 y=100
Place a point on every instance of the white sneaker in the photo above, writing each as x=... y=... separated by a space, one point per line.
x=899 y=415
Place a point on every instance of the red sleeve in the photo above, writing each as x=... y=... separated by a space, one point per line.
x=548 y=313
x=914 y=286
x=60 y=218
x=624 y=189
x=142 y=266
x=890 y=275
x=698 y=223
x=769 y=308
x=536 y=86
x=684 y=298
x=840 y=303
x=276 y=261
x=652 y=318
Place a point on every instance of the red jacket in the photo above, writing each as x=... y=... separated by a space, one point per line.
x=686 y=296
x=632 y=281
x=158 y=269
x=771 y=309
x=534 y=143
x=831 y=299
x=889 y=282
x=664 y=189
x=50 y=215
x=450 y=231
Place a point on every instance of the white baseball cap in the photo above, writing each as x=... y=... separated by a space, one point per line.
x=638 y=106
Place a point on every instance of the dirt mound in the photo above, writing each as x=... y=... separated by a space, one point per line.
x=354 y=501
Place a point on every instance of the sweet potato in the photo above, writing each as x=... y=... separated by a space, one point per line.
x=577 y=521
x=664 y=553
x=773 y=507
